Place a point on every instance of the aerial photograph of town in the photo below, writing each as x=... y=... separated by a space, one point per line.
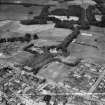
x=52 y=52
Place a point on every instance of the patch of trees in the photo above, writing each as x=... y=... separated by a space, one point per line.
x=27 y=38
